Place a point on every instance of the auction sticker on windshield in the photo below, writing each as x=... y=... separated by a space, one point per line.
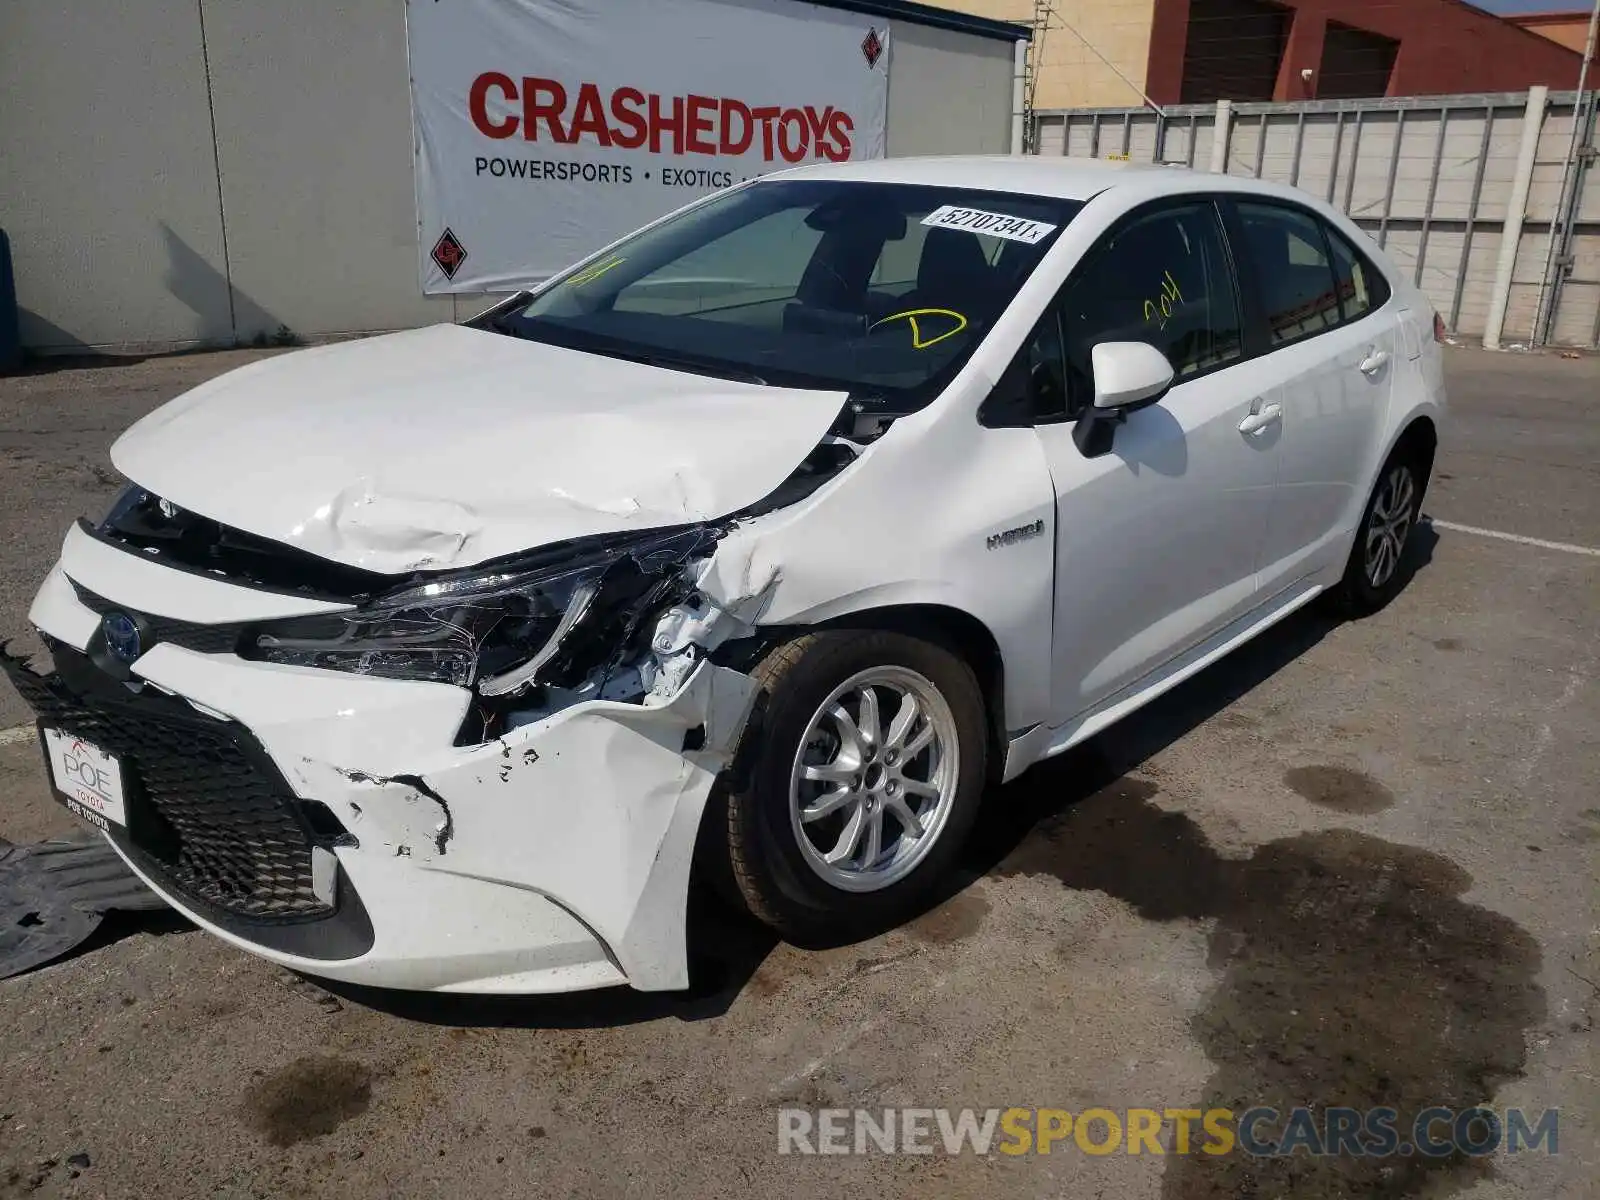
x=1000 y=225
x=89 y=779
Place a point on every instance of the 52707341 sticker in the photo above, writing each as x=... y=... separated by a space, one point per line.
x=1000 y=225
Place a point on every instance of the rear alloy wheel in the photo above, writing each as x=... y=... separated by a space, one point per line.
x=1389 y=524
x=864 y=774
x=1375 y=573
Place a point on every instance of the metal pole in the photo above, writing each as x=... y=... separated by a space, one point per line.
x=1566 y=261
x=1127 y=132
x=1261 y=144
x=1161 y=138
x=1472 y=217
x=1594 y=339
x=1516 y=213
x=1066 y=134
x=1094 y=136
x=1433 y=190
x=1566 y=210
x=1189 y=156
x=1115 y=70
x=1394 y=170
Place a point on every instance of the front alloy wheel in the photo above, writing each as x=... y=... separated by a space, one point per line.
x=860 y=776
x=874 y=779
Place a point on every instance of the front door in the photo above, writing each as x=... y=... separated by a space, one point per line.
x=1157 y=540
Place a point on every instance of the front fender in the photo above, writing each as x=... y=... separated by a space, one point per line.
x=963 y=522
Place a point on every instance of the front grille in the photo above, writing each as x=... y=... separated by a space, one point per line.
x=203 y=639
x=208 y=814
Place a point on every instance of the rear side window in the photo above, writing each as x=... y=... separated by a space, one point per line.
x=1362 y=288
x=1298 y=292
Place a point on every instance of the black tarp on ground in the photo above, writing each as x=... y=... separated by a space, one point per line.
x=54 y=895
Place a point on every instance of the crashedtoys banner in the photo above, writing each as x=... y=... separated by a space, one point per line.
x=546 y=128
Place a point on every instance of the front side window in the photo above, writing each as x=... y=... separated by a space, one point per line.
x=881 y=290
x=1298 y=293
x=1045 y=358
x=1164 y=279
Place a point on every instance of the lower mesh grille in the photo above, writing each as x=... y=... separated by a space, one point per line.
x=209 y=816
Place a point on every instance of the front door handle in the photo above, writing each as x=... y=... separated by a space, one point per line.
x=1269 y=415
x=1374 y=361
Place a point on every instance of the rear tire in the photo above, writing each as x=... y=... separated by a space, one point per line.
x=1376 y=572
x=862 y=771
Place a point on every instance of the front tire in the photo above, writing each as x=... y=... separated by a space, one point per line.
x=864 y=768
x=1375 y=573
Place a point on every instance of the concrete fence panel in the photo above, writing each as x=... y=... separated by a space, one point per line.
x=1431 y=179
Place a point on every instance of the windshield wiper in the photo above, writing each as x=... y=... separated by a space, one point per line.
x=691 y=365
x=650 y=358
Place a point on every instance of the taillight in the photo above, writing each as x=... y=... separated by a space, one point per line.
x=1438 y=328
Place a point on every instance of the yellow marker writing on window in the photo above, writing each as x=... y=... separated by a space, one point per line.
x=1160 y=310
x=590 y=274
x=911 y=315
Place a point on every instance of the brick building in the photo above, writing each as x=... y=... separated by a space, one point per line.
x=1099 y=53
x=1570 y=29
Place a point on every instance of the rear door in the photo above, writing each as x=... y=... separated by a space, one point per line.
x=1333 y=346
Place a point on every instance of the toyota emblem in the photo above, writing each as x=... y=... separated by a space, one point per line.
x=122 y=636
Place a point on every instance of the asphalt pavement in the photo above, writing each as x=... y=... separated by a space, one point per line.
x=1351 y=864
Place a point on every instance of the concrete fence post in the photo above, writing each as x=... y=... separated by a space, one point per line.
x=1516 y=213
x=1219 y=138
x=1019 y=99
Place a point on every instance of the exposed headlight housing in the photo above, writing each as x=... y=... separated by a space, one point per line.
x=501 y=629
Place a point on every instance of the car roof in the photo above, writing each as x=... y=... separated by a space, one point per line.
x=1065 y=178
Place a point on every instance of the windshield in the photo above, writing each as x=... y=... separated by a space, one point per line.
x=881 y=290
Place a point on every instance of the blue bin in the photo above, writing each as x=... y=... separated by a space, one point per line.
x=10 y=336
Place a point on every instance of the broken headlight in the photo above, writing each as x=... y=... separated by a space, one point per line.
x=501 y=629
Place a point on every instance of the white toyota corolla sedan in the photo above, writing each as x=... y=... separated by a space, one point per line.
x=784 y=527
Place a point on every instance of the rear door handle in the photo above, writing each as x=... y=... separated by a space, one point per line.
x=1373 y=362
x=1268 y=415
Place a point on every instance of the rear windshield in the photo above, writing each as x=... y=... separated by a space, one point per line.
x=881 y=290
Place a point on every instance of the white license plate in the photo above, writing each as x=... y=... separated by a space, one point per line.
x=89 y=779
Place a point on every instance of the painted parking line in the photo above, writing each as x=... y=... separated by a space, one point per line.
x=21 y=733
x=1519 y=539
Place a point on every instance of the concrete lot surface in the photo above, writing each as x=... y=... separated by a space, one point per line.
x=1353 y=864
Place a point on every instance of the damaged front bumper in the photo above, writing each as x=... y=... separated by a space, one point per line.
x=328 y=821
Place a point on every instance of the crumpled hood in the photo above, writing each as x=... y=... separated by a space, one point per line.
x=445 y=446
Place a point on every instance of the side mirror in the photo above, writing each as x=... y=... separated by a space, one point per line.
x=1127 y=376
x=1129 y=373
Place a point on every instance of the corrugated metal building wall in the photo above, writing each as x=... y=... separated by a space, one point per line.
x=199 y=172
